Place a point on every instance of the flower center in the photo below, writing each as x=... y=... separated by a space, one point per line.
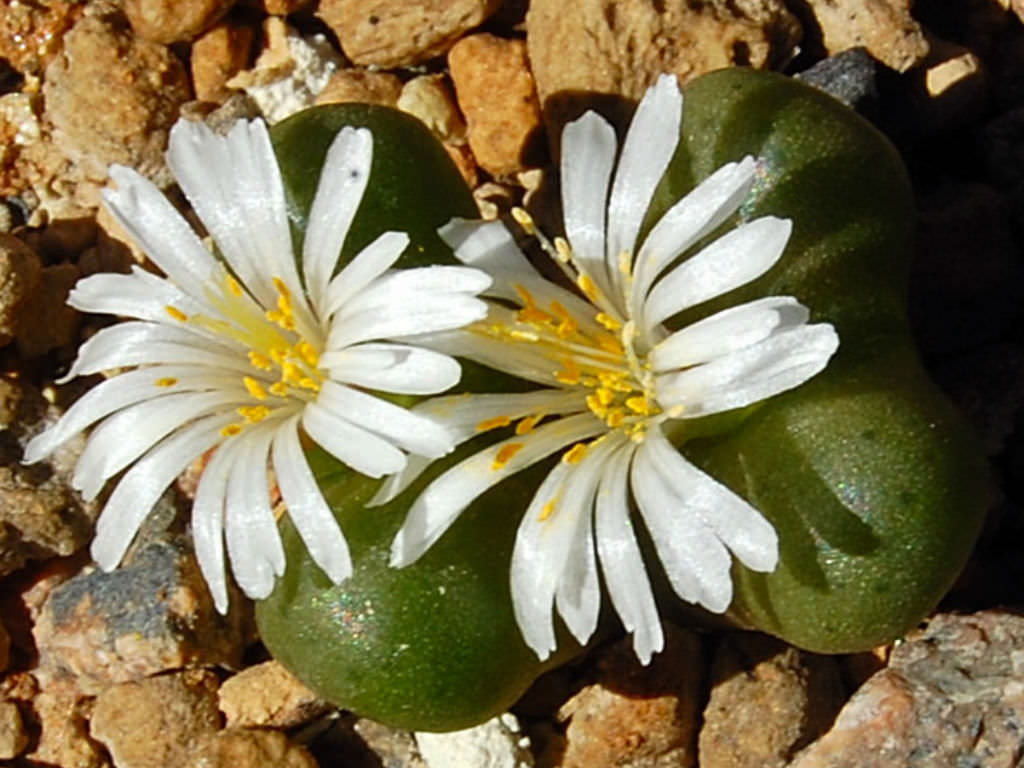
x=283 y=355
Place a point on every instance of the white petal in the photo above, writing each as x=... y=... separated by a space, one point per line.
x=398 y=368
x=339 y=192
x=139 y=294
x=208 y=522
x=399 y=426
x=695 y=561
x=734 y=259
x=649 y=145
x=142 y=485
x=159 y=230
x=369 y=264
x=782 y=361
x=727 y=331
x=362 y=450
x=588 y=152
x=621 y=561
x=394 y=290
x=736 y=523
x=397 y=482
x=428 y=314
x=306 y=506
x=445 y=498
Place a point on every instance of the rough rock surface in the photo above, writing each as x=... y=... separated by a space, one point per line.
x=392 y=33
x=618 y=47
x=156 y=722
x=19 y=278
x=635 y=716
x=130 y=88
x=13 y=736
x=244 y=748
x=268 y=695
x=497 y=94
x=768 y=700
x=884 y=27
x=31 y=33
x=951 y=695
x=429 y=98
x=60 y=713
x=150 y=615
x=46 y=322
x=173 y=21
x=498 y=743
x=349 y=85
x=218 y=55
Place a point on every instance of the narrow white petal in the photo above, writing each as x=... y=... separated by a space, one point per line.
x=695 y=561
x=343 y=180
x=734 y=259
x=445 y=498
x=360 y=449
x=140 y=294
x=736 y=523
x=727 y=331
x=621 y=561
x=142 y=485
x=396 y=289
x=369 y=264
x=428 y=314
x=159 y=230
x=208 y=522
x=693 y=217
x=588 y=153
x=397 y=482
x=306 y=506
x=398 y=368
x=649 y=145
x=399 y=426
x=538 y=559
x=782 y=361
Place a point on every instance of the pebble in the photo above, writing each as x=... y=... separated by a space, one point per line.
x=174 y=21
x=429 y=98
x=5 y=648
x=884 y=27
x=245 y=748
x=60 y=712
x=767 y=701
x=361 y=85
x=268 y=695
x=48 y=323
x=156 y=722
x=636 y=716
x=283 y=7
x=397 y=33
x=151 y=615
x=31 y=33
x=131 y=89
x=19 y=277
x=498 y=743
x=13 y=736
x=618 y=49
x=952 y=695
x=218 y=55
x=497 y=94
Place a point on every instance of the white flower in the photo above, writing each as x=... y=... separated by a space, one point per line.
x=239 y=354
x=615 y=379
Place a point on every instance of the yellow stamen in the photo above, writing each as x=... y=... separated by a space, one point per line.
x=562 y=250
x=615 y=418
x=260 y=361
x=546 y=511
x=524 y=220
x=570 y=373
x=496 y=423
x=523 y=335
x=291 y=373
x=605 y=396
x=176 y=313
x=526 y=425
x=279 y=388
x=609 y=322
x=639 y=404
x=231 y=430
x=282 y=288
x=255 y=388
x=596 y=407
x=233 y=286
x=568 y=325
x=575 y=454
x=167 y=381
x=586 y=284
x=505 y=453
x=308 y=353
x=307 y=383
x=253 y=414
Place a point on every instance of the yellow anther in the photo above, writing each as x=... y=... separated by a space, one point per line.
x=525 y=295
x=260 y=361
x=639 y=404
x=166 y=381
x=233 y=286
x=284 y=304
x=570 y=373
x=523 y=335
x=496 y=423
x=615 y=418
x=562 y=250
x=568 y=325
x=546 y=511
x=575 y=454
x=609 y=343
x=609 y=322
x=255 y=388
x=526 y=425
x=279 y=388
x=176 y=313
x=307 y=383
x=308 y=353
x=278 y=355
x=231 y=430
x=587 y=285
x=605 y=396
x=533 y=315
x=596 y=407
x=282 y=288
x=524 y=220
x=504 y=454
x=253 y=414
x=291 y=373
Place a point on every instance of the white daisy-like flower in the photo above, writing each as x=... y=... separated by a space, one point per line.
x=242 y=354
x=616 y=379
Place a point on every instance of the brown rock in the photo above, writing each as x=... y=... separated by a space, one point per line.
x=360 y=85
x=174 y=21
x=496 y=92
x=13 y=737
x=47 y=322
x=952 y=695
x=156 y=722
x=619 y=47
x=19 y=278
x=5 y=648
x=884 y=27
x=268 y=695
x=131 y=90
x=429 y=98
x=463 y=158
x=768 y=700
x=635 y=716
x=31 y=33
x=395 y=33
x=61 y=715
x=151 y=615
x=219 y=54
x=283 y=7
x=243 y=748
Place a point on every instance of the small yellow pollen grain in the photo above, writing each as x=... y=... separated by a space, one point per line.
x=176 y=313
x=254 y=388
x=568 y=325
x=260 y=361
x=596 y=407
x=639 y=404
x=253 y=414
x=605 y=396
x=523 y=335
x=615 y=417
x=307 y=352
x=570 y=373
x=575 y=454
x=524 y=220
x=307 y=383
x=281 y=287
x=277 y=354
x=291 y=373
x=231 y=430
x=166 y=381
x=586 y=284
x=526 y=425
x=233 y=286
x=496 y=423
x=609 y=322
x=562 y=250
x=279 y=388
x=546 y=511
x=504 y=454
